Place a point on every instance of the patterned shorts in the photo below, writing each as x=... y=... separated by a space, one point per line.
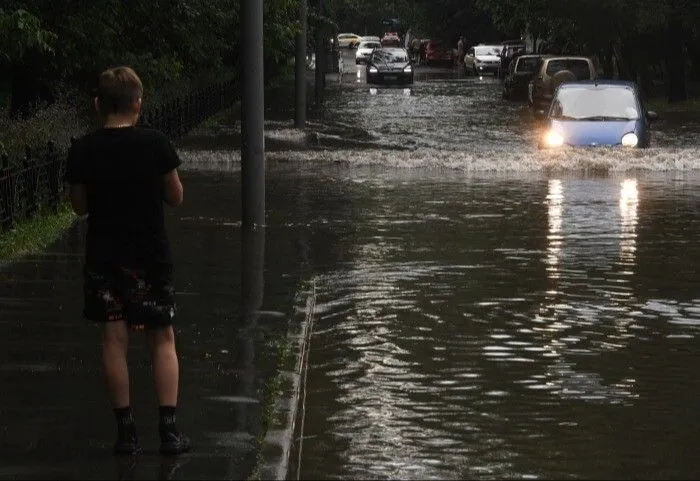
x=142 y=298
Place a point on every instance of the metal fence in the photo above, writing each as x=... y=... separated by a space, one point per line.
x=34 y=184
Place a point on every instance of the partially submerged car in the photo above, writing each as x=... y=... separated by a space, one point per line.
x=595 y=113
x=387 y=65
x=553 y=70
x=520 y=72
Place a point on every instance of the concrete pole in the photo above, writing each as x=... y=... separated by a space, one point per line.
x=320 y=58
x=253 y=116
x=300 y=68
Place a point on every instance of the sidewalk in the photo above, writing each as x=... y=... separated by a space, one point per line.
x=55 y=422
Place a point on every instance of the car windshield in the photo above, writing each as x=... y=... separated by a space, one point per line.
x=595 y=103
x=578 y=67
x=370 y=45
x=386 y=56
x=487 y=50
x=526 y=64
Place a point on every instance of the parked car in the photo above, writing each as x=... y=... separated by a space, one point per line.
x=481 y=59
x=520 y=72
x=391 y=39
x=553 y=70
x=365 y=50
x=389 y=64
x=436 y=52
x=348 y=40
x=597 y=113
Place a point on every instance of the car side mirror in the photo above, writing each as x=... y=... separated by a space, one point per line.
x=651 y=115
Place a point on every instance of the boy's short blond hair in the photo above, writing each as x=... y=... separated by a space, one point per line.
x=118 y=89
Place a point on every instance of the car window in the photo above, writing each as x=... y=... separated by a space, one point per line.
x=612 y=102
x=370 y=45
x=578 y=67
x=386 y=56
x=526 y=64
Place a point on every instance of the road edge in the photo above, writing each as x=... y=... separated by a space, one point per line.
x=283 y=437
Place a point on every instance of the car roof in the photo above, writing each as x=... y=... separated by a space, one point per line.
x=602 y=82
x=393 y=49
x=567 y=57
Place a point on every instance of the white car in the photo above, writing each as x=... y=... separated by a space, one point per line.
x=481 y=59
x=365 y=50
x=348 y=40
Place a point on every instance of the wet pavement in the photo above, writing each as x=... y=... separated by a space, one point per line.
x=235 y=302
x=484 y=310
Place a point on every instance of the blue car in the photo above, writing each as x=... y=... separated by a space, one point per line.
x=590 y=113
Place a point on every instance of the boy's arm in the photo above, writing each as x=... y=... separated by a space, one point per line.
x=172 y=188
x=78 y=198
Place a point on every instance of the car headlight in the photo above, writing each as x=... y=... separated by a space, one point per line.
x=630 y=140
x=373 y=70
x=553 y=139
x=407 y=69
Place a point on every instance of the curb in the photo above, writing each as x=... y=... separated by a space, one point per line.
x=287 y=423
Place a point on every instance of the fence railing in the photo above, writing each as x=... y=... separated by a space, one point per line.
x=34 y=184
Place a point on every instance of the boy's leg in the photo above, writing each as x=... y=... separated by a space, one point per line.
x=166 y=369
x=103 y=305
x=166 y=379
x=115 y=343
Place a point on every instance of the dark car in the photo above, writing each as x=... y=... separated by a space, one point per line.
x=520 y=72
x=389 y=65
x=596 y=113
x=552 y=71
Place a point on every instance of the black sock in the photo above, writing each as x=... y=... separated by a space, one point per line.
x=167 y=421
x=126 y=426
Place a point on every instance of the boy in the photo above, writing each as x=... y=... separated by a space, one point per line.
x=119 y=175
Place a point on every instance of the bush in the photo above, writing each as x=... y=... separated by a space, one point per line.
x=59 y=121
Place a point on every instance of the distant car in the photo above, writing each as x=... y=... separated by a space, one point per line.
x=482 y=59
x=348 y=40
x=365 y=50
x=520 y=72
x=594 y=113
x=371 y=38
x=553 y=70
x=436 y=52
x=389 y=65
x=390 y=39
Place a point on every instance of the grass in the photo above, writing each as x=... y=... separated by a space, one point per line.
x=34 y=235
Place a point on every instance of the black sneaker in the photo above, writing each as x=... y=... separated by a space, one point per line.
x=175 y=443
x=127 y=446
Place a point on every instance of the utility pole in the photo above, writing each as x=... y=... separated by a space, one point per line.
x=253 y=117
x=320 y=57
x=300 y=68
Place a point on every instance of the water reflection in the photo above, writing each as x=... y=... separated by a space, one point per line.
x=629 y=201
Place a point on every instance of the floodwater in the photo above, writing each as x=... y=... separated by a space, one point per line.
x=486 y=310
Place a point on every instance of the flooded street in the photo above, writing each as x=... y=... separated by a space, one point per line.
x=486 y=310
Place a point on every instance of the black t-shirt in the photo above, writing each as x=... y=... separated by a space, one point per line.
x=122 y=169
